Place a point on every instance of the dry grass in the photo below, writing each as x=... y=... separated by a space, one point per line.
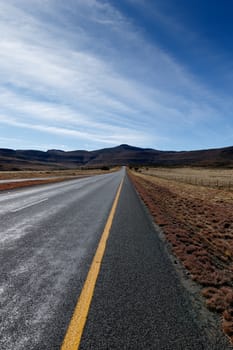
x=13 y=185
x=44 y=177
x=5 y=175
x=198 y=223
x=216 y=178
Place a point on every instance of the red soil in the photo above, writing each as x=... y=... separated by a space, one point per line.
x=200 y=232
x=13 y=185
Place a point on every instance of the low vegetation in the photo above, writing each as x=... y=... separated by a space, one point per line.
x=44 y=177
x=216 y=178
x=198 y=223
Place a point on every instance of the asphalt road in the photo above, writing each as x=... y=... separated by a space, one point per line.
x=49 y=235
x=139 y=301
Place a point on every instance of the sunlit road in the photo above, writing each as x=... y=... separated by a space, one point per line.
x=48 y=238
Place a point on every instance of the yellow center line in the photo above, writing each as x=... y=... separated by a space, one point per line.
x=75 y=329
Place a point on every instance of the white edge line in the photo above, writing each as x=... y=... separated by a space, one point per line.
x=29 y=205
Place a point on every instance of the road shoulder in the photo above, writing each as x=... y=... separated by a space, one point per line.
x=139 y=301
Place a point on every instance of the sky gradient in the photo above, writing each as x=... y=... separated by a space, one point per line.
x=91 y=74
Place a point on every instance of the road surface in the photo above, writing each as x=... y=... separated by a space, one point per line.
x=49 y=235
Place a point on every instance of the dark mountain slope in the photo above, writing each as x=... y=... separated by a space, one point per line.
x=120 y=155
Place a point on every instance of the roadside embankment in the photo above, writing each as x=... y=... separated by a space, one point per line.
x=198 y=224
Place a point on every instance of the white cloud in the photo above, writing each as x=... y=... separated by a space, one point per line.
x=60 y=76
x=117 y=136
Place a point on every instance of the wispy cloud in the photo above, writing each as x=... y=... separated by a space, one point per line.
x=83 y=71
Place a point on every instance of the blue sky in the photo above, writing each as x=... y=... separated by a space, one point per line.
x=90 y=74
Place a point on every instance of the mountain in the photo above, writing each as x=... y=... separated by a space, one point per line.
x=120 y=155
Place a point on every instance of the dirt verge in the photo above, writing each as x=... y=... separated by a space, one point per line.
x=199 y=227
x=14 y=185
x=44 y=177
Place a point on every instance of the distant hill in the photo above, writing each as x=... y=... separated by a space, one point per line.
x=120 y=155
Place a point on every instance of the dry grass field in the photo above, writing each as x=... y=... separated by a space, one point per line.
x=216 y=178
x=44 y=177
x=5 y=175
x=198 y=223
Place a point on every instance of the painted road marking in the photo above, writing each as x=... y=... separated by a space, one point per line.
x=75 y=329
x=29 y=205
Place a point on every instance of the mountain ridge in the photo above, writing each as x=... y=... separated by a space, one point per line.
x=123 y=154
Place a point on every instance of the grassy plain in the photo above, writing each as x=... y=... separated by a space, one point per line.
x=44 y=176
x=210 y=177
x=198 y=222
